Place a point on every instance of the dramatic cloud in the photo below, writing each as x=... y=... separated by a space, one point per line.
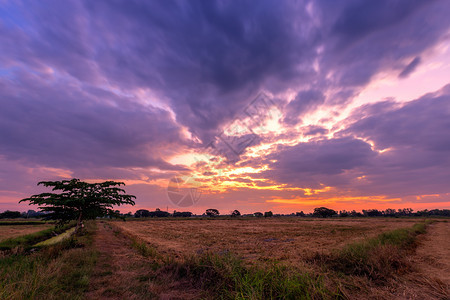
x=137 y=90
x=315 y=163
x=66 y=126
x=410 y=67
x=396 y=152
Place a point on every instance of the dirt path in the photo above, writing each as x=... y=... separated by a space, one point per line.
x=432 y=263
x=434 y=252
x=122 y=273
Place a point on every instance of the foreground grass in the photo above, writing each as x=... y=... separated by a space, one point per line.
x=60 y=271
x=225 y=276
x=378 y=258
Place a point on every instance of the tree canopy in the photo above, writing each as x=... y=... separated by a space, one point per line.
x=79 y=200
x=235 y=213
x=268 y=214
x=324 y=212
x=212 y=212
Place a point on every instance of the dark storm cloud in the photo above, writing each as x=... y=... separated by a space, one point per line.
x=208 y=59
x=422 y=124
x=416 y=137
x=319 y=162
x=357 y=40
x=65 y=126
x=367 y=37
x=304 y=102
x=359 y=19
x=411 y=67
x=314 y=130
x=70 y=72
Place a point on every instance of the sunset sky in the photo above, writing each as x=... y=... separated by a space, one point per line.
x=252 y=105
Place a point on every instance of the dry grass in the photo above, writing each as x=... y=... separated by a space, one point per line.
x=202 y=276
x=59 y=271
x=286 y=240
x=124 y=270
x=11 y=231
x=375 y=258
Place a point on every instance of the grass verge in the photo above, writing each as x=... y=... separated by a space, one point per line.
x=59 y=271
x=57 y=239
x=137 y=243
x=226 y=277
x=378 y=258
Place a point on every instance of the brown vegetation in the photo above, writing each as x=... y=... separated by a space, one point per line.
x=122 y=272
x=286 y=240
x=11 y=231
x=245 y=258
x=388 y=268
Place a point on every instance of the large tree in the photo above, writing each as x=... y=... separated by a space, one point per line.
x=79 y=200
x=212 y=212
x=324 y=212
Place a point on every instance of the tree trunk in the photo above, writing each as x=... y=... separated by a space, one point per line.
x=79 y=222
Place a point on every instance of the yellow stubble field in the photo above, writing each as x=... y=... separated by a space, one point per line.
x=288 y=240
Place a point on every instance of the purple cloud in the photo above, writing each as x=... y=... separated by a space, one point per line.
x=63 y=125
x=312 y=164
x=118 y=88
x=415 y=137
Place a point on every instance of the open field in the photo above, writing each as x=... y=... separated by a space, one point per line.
x=288 y=240
x=11 y=231
x=372 y=258
x=243 y=258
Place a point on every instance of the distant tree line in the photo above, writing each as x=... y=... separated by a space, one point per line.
x=324 y=212
x=319 y=212
x=25 y=215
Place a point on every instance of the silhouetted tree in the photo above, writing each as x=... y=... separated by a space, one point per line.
x=10 y=214
x=159 y=214
x=354 y=213
x=404 y=211
x=300 y=214
x=390 y=212
x=372 y=213
x=142 y=213
x=184 y=214
x=212 y=212
x=258 y=214
x=79 y=200
x=324 y=212
x=343 y=213
x=235 y=213
x=268 y=214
